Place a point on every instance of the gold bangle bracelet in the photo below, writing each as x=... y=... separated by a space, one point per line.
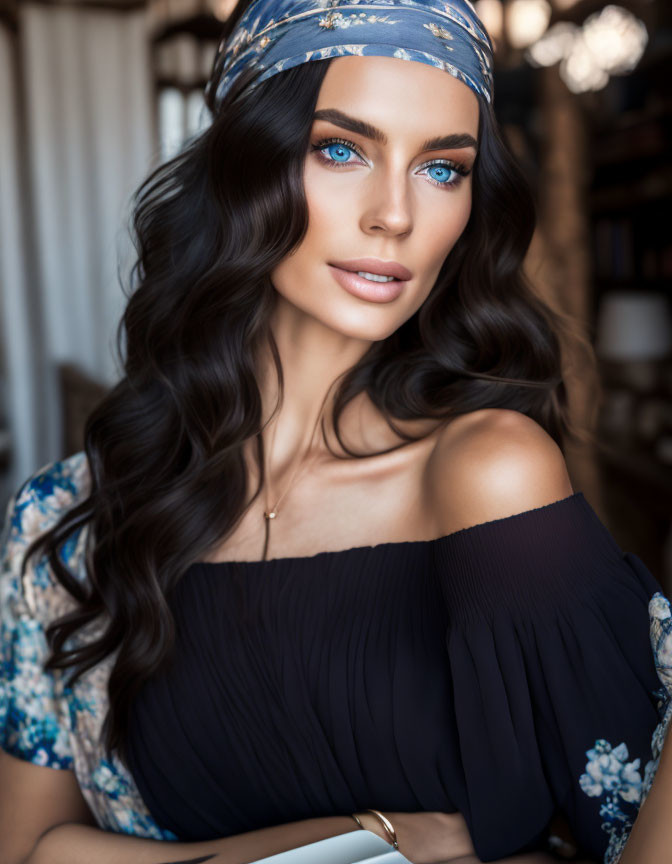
x=356 y=818
x=387 y=825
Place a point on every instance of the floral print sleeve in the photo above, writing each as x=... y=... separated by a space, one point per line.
x=33 y=725
x=622 y=784
x=43 y=720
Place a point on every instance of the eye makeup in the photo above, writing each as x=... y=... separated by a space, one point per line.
x=458 y=168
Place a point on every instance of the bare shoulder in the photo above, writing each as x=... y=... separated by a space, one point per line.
x=493 y=463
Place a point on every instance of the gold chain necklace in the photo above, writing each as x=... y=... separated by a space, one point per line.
x=271 y=513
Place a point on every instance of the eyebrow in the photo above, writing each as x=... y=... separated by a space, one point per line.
x=361 y=127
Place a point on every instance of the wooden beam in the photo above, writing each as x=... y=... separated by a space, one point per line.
x=8 y=14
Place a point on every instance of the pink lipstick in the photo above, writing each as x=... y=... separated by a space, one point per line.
x=367 y=289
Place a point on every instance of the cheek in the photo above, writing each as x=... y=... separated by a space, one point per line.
x=322 y=221
x=444 y=225
x=326 y=199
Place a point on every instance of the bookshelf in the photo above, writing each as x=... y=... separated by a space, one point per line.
x=629 y=204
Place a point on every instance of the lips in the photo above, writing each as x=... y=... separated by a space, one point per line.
x=377 y=266
x=367 y=289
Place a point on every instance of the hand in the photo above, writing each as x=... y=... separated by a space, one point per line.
x=425 y=838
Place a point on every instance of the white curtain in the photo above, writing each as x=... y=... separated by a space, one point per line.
x=20 y=359
x=77 y=134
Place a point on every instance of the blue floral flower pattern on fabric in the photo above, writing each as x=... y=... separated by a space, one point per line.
x=608 y=773
x=43 y=720
x=274 y=35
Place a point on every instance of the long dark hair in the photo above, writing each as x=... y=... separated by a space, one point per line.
x=165 y=445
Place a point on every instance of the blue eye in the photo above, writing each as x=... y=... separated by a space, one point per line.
x=443 y=169
x=334 y=153
x=337 y=156
x=336 y=150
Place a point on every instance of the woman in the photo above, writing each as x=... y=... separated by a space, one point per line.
x=412 y=616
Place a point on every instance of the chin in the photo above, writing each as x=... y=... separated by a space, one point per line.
x=361 y=325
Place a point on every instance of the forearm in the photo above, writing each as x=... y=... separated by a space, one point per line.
x=651 y=836
x=80 y=844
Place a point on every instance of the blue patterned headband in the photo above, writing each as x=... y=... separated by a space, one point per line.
x=273 y=35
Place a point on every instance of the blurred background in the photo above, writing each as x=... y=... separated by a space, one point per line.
x=96 y=93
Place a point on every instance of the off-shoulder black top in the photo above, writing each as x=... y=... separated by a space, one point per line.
x=504 y=670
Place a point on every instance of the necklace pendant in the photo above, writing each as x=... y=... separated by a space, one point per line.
x=270 y=515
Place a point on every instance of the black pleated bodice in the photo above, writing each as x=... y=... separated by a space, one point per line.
x=472 y=672
x=312 y=685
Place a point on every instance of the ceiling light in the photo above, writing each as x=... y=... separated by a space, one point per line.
x=554 y=45
x=491 y=14
x=616 y=38
x=526 y=21
x=580 y=70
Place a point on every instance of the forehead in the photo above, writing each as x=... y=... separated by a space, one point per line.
x=401 y=94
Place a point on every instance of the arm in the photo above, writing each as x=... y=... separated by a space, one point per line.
x=425 y=838
x=44 y=819
x=651 y=836
x=80 y=844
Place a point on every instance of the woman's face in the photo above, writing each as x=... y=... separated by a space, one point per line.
x=393 y=197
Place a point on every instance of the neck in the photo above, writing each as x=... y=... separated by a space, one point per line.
x=313 y=359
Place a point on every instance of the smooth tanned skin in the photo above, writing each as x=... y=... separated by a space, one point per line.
x=494 y=463
x=32 y=800
x=382 y=204
x=479 y=467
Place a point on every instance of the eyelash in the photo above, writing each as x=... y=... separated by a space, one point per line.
x=457 y=167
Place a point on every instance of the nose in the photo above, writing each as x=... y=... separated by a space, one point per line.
x=388 y=201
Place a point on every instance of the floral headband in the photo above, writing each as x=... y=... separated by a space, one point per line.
x=273 y=35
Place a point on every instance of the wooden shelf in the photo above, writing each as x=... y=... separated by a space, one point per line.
x=653 y=187
x=642 y=466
